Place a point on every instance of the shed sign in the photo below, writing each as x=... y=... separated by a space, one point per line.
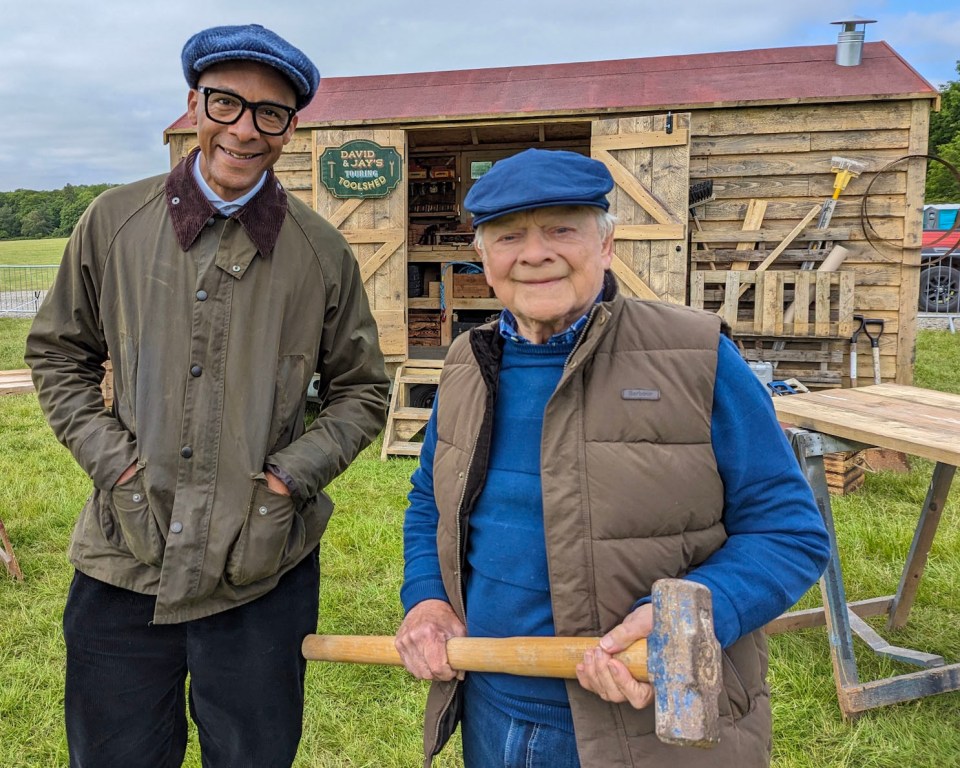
x=360 y=168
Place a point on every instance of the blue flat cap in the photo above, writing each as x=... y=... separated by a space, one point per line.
x=538 y=178
x=250 y=42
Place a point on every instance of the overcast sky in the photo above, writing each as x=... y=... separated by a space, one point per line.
x=88 y=86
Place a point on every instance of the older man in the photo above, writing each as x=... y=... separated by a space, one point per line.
x=582 y=447
x=216 y=296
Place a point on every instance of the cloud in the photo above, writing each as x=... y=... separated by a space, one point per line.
x=88 y=86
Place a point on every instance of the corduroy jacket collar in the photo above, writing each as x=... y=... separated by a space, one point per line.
x=261 y=218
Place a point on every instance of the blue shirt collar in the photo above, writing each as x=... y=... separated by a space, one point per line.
x=223 y=207
x=509 y=331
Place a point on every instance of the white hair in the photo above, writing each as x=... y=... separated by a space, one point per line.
x=606 y=223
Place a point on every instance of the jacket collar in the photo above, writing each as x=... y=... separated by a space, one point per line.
x=610 y=287
x=189 y=209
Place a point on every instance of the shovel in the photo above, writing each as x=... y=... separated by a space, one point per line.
x=853 y=349
x=874 y=344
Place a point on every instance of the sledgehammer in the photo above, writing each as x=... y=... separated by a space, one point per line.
x=680 y=658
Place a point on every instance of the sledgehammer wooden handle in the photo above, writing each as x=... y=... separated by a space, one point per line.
x=530 y=656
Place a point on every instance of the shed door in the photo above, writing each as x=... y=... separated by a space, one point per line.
x=376 y=230
x=650 y=200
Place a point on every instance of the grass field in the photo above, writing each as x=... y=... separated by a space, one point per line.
x=370 y=716
x=18 y=259
x=13 y=335
x=31 y=252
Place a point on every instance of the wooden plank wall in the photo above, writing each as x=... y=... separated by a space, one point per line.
x=294 y=167
x=783 y=155
x=369 y=225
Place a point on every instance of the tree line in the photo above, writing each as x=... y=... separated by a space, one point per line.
x=27 y=213
x=942 y=185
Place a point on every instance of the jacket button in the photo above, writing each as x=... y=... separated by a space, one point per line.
x=176 y=527
x=211 y=221
x=236 y=267
x=201 y=295
x=175 y=200
x=196 y=370
x=186 y=451
x=138 y=497
x=263 y=510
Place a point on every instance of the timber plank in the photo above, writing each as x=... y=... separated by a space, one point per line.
x=756 y=210
x=739 y=144
x=816 y=186
x=15 y=382
x=784 y=164
x=766 y=235
x=812 y=118
x=926 y=424
x=793 y=207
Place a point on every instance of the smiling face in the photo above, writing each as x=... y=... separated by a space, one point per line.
x=546 y=266
x=234 y=157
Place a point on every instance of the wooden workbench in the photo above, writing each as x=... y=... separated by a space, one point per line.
x=916 y=421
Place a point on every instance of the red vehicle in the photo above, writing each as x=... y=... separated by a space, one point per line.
x=940 y=259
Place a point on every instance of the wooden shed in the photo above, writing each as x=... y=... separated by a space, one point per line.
x=389 y=158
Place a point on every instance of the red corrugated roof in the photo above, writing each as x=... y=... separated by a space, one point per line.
x=769 y=75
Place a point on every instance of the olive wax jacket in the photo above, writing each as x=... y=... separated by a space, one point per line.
x=214 y=327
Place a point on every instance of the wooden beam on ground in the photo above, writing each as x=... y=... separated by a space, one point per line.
x=14 y=382
x=6 y=555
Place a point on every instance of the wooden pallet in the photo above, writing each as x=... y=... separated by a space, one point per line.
x=844 y=472
x=814 y=362
x=782 y=303
x=404 y=421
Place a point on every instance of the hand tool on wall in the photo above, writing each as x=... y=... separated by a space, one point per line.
x=845 y=170
x=853 y=348
x=681 y=659
x=874 y=343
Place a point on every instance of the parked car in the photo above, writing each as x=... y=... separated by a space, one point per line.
x=940 y=259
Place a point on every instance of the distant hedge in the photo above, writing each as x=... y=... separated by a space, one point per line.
x=33 y=214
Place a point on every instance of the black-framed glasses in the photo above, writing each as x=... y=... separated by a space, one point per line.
x=226 y=108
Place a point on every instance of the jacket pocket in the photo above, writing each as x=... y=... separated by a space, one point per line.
x=271 y=536
x=138 y=526
x=735 y=698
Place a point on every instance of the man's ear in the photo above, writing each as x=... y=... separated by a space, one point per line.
x=606 y=251
x=193 y=101
x=288 y=134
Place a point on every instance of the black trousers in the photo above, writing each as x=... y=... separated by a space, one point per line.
x=125 y=681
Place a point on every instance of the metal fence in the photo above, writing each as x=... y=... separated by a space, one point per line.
x=940 y=281
x=22 y=288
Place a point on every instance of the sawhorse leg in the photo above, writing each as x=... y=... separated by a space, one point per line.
x=922 y=541
x=853 y=696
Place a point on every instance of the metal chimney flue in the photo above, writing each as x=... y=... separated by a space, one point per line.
x=850 y=41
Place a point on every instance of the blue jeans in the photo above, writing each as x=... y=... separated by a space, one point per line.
x=493 y=739
x=126 y=678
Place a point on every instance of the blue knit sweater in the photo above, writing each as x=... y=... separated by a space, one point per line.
x=776 y=549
